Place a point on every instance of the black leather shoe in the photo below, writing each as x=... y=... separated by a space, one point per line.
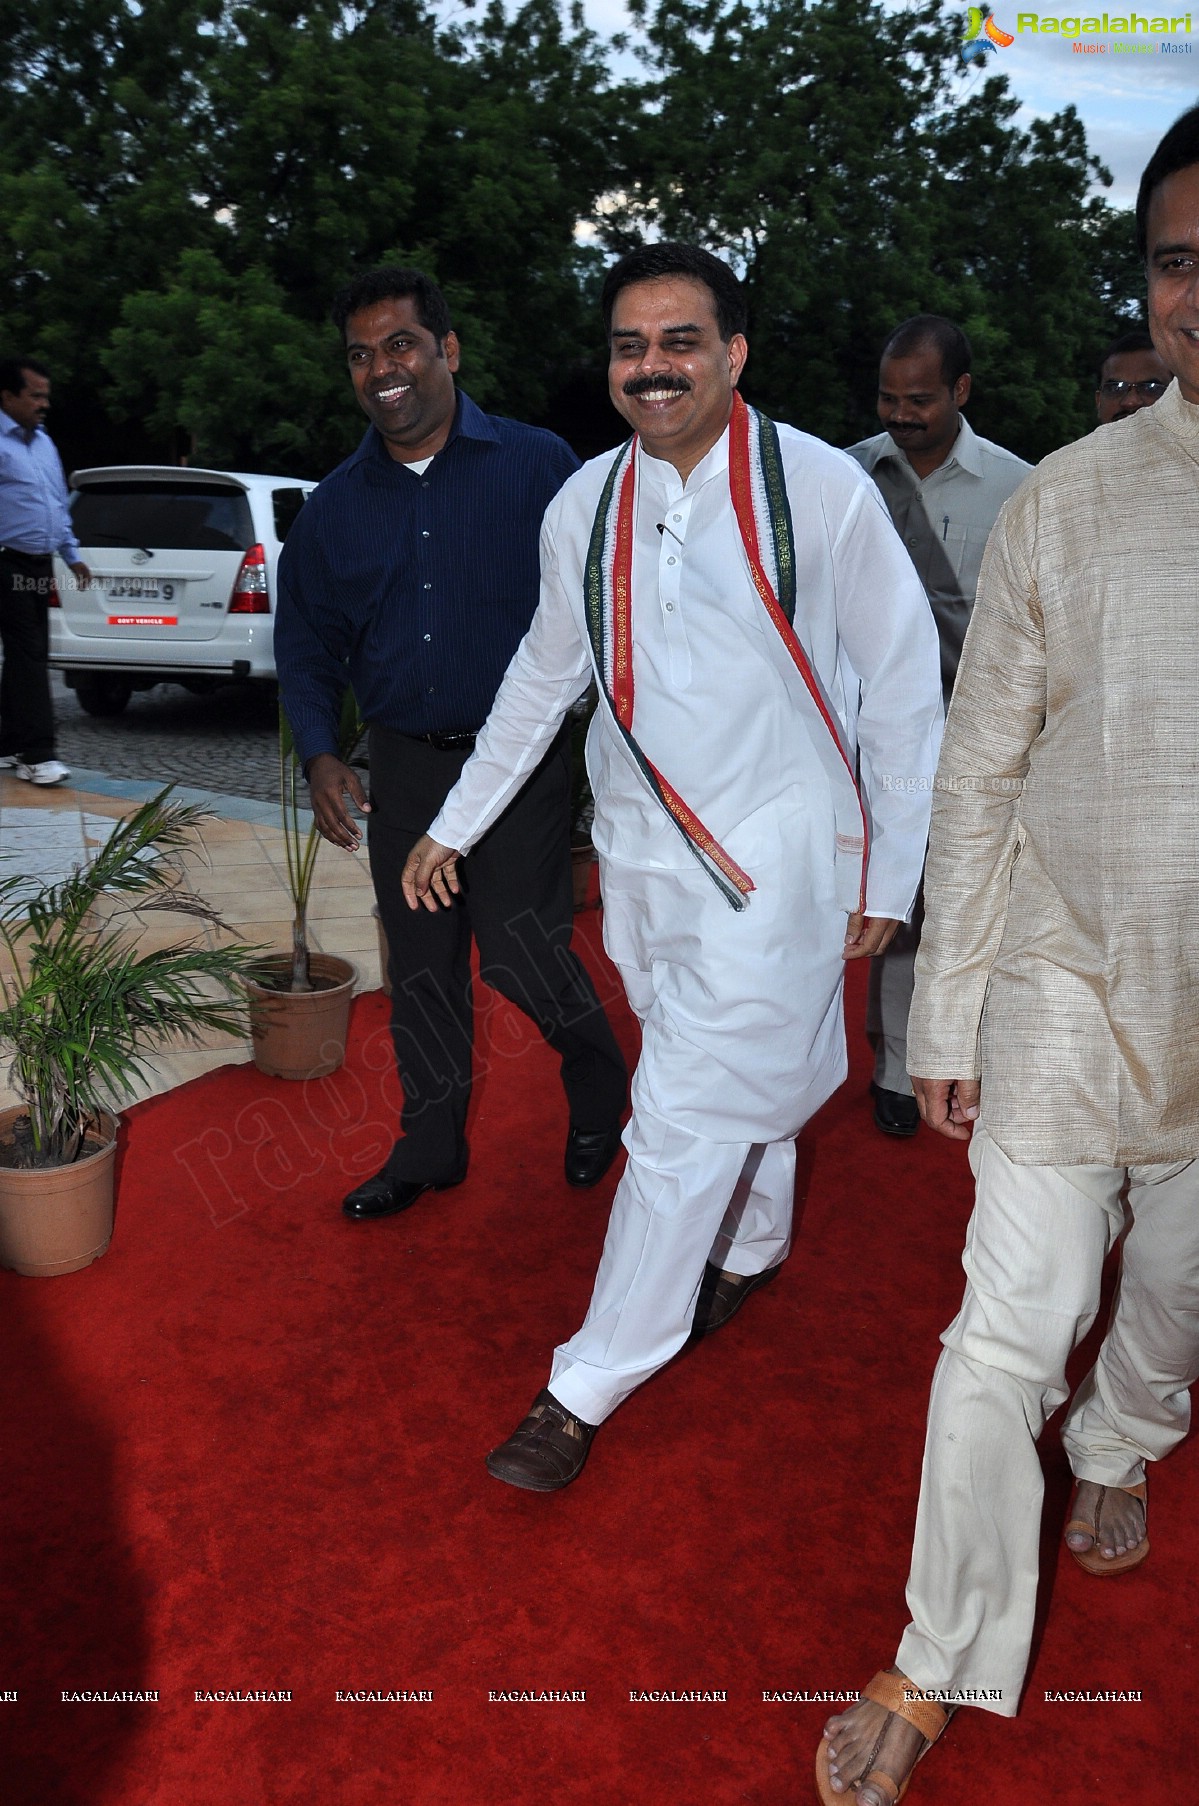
x=589 y=1154
x=721 y=1296
x=384 y=1197
x=894 y=1113
x=544 y=1452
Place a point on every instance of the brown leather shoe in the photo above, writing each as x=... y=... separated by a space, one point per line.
x=721 y=1296
x=546 y=1451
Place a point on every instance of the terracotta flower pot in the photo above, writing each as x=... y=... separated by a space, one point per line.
x=57 y=1219
x=302 y=1034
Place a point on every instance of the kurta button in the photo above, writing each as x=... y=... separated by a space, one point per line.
x=429 y=585
x=428 y=636
x=425 y=533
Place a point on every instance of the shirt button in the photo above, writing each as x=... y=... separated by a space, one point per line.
x=425 y=533
x=672 y=561
x=670 y=608
x=676 y=517
x=429 y=585
x=428 y=636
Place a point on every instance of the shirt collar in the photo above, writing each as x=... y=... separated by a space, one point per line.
x=964 y=452
x=470 y=422
x=16 y=431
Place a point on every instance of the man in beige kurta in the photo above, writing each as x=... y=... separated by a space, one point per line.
x=1056 y=1008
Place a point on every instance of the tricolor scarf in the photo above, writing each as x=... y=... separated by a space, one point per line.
x=759 y=497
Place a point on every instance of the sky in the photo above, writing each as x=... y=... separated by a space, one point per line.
x=1126 y=100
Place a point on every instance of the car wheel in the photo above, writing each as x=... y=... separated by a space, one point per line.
x=103 y=695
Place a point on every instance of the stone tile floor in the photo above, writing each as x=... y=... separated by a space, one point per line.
x=238 y=865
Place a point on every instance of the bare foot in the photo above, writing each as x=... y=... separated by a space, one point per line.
x=1118 y=1518
x=869 y=1737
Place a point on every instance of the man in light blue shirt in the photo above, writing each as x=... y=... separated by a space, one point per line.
x=35 y=523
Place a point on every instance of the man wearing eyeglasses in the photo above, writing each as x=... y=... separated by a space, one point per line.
x=1131 y=377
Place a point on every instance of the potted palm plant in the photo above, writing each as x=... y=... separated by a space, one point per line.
x=300 y=1002
x=79 y=1009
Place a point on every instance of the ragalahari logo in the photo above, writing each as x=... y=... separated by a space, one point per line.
x=982 y=37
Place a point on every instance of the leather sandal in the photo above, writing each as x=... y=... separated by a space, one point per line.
x=901 y=1697
x=1091 y=1559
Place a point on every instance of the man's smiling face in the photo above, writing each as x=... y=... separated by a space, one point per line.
x=403 y=378
x=670 y=373
x=1173 y=237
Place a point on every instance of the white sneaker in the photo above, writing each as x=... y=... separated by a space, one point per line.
x=49 y=771
x=8 y=762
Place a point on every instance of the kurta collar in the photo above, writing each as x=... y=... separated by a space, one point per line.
x=662 y=473
x=1180 y=418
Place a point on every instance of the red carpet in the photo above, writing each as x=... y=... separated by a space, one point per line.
x=244 y=1452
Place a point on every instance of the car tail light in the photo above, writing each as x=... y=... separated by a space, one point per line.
x=249 y=592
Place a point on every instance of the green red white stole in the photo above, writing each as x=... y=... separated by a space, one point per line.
x=759 y=497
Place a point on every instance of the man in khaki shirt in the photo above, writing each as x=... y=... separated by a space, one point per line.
x=1056 y=1001
x=943 y=486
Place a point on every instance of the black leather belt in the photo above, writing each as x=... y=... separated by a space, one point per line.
x=38 y=559
x=447 y=742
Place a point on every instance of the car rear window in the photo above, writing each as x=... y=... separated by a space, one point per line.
x=181 y=517
x=287 y=503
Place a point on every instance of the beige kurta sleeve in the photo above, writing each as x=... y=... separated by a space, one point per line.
x=997 y=712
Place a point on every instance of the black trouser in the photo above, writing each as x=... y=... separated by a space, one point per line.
x=26 y=716
x=516 y=902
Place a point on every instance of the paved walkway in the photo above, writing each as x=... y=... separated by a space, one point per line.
x=238 y=866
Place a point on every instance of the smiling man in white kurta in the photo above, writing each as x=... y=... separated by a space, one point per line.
x=732 y=842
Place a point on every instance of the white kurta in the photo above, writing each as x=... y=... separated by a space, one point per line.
x=742 y=1037
x=741 y=1016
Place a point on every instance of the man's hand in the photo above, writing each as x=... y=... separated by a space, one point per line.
x=948 y=1105
x=81 y=574
x=430 y=875
x=866 y=935
x=329 y=783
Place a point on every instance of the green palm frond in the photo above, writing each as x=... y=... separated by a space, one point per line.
x=83 y=1007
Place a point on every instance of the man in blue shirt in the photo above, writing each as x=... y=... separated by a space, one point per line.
x=35 y=523
x=412 y=574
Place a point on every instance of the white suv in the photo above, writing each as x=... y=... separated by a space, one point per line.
x=183 y=568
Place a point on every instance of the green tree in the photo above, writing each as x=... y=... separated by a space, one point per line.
x=183 y=186
x=829 y=150
x=184 y=190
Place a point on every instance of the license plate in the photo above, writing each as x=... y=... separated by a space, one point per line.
x=136 y=589
x=143 y=620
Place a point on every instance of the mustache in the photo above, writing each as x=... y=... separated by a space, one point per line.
x=641 y=385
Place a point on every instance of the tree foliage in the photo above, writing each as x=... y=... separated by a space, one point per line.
x=183 y=187
x=833 y=151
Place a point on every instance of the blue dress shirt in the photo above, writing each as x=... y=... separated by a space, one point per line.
x=34 y=515
x=416 y=587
